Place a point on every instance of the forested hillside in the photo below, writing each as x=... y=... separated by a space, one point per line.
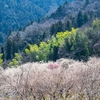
x=68 y=15
x=56 y=57
x=16 y=14
x=76 y=44
x=59 y=33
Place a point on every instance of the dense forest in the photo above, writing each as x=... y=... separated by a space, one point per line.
x=60 y=35
x=16 y=14
x=76 y=44
x=50 y=50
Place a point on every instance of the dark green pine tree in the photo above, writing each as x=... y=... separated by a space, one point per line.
x=74 y=22
x=53 y=29
x=68 y=25
x=14 y=48
x=16 y=44
x=2 y=51
x=86 y=17
x=55 y=53
x=59 y=10
x=59 y=26
x=80 y=19
x=86 y=2
x=8 y=49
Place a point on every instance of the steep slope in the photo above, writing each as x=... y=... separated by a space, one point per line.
x=75 y=6
x=68 y=15
x=67 y=11
x=15 y=14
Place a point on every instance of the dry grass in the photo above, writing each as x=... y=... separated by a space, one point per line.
x=61 y=80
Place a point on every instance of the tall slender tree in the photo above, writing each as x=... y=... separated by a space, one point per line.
x=80 y=19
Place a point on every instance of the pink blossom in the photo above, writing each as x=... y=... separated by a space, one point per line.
x=53 y=66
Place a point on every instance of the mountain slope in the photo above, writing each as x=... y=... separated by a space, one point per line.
x=17 y=13
x=76 y=14
x=67 y=11
x=74 y=7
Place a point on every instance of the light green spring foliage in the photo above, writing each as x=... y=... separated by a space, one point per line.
x=32 y=49
x=44 y=49
x=16 y=60
x=18 y=57
x=1 y=60
x=41 y=52
x=75 y=42
x=96 y=23
x=27 y=51
x=77 y=46
x=63 y=35
x=70 y=35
